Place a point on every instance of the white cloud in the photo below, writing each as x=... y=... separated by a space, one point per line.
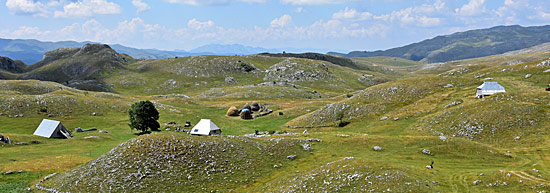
x=352 y=14
x=197 y=25
x=140 y=5
x=299 y=10
x=426 y=15
x=31 y=7
x=213 y=2
x=474 y=7
x=283 y=21
x=428 y=21
x=88 y=8
x=313 y=2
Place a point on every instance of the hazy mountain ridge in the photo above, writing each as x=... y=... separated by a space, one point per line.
x=31 y=51
x=468 y=44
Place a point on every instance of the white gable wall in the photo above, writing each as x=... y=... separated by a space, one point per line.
x=52 y=129
x=205 y=127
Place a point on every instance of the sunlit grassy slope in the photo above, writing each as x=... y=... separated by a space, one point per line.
x=495 y=142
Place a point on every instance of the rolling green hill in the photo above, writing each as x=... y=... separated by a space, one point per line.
x=414 y=113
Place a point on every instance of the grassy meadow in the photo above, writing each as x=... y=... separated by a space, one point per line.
x=496 y=144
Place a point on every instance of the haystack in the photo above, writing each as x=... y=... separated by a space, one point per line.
x=232 y=111
x=246 y=114
x=247 y=106
x=255 y=106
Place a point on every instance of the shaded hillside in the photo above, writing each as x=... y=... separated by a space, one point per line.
x=10 y=65
x=469 y=44
x=316 y=56
x=78 y=67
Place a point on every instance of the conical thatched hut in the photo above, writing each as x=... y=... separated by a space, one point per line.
x=255 y=106
x=232 y=111
x=246 y=106
x=246 y=114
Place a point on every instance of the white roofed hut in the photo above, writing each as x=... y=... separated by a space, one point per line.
x=206 y=127
x=489 y=88
x=52 y=129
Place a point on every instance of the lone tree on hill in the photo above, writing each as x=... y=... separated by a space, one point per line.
x=143 y=116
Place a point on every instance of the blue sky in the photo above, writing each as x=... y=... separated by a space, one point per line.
x=342 y=25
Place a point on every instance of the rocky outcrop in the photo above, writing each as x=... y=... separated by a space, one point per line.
x=291 y=71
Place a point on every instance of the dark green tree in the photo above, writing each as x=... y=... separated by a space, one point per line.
x=144 y=116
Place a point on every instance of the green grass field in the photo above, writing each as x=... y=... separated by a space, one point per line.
x=415 y=107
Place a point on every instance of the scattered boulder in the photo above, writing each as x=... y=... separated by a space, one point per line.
x=9 y=172
x=50 y=115
x=546 y=71
x=172 y=125
x=20 y=143
x=92 y=129
x=454 y=103
x=230 y=80
x=448 y=86
x=306 y=146
x=94 y=114
x=427 y=152
x=7 y=140
x=291 y=157
x=255 y=106
x=78 y=130
x=281 y=113
x=103 y=131
x=377 y=148
x=305 y=132
x=311 y=140
x=477 y=182
x=187 y=124
x=383 y=118
x=517 y=138
x=535 y=170
x=528 y=76
x=232 y=111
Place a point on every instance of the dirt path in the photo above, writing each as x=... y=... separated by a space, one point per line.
x=526 y=176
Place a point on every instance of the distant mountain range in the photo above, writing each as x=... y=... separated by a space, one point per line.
x=31 y=51
x=237 y=49
x=457 y=46
x=464 y=45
